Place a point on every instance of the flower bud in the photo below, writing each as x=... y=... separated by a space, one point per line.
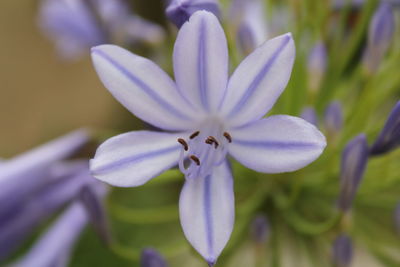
x=354 y=161
x=179 y=11
x=249 y=18
x=389 y=138
x=342 y=251
x=380 y=36
x=310 y=115
x=151 y=258
x=333 y=118
x=317 y=61
x=260 y=229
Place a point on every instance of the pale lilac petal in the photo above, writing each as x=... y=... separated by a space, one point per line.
x=207 y=212
x=258 y=81
x=58 y=240
x=142 y=87
x=133 y=158
x=277 y=144
x=201 y=61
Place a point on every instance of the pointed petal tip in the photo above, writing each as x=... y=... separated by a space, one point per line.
x=211 y=263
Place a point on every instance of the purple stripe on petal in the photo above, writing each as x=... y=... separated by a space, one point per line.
x=202 y=65
x=208 y=215
x=141 y=84
x=257 y=80
x=132 y=160
x=279 y=144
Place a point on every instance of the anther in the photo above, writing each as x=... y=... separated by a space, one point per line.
x=211 y=140
x=183 y=143
x=228 y=137
x=194 y=134
x=195 y=159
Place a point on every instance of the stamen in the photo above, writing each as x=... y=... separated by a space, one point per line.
x=211 y=140
x=195 y=159
x=228 y=137
x=194 y=134
x=183 y=143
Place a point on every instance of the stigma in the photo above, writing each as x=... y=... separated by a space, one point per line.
x=202 y=151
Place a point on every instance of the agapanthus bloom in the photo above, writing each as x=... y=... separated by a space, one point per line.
x=210 y=117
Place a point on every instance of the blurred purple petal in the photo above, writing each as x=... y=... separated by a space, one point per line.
x=260 y=229
x=15 y=227
x=251 y=20
x=96 y=212
x=277 y=144
x=29 y=171
x=151 y=258
x=258 y=81
x=353 y=164
x=179 y=11
x=207 y=212
x=309 y=114
x=317 y=64
x=389 y=137
x=333 y=119
x=342 y=251
x=201 y=61
x=380 y=35
x=71 y=25
x=58 y=241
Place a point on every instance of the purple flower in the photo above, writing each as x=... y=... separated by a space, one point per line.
x=77 y=25
x=18 y=223
x=381 y=31
x=260 y=229
x=354 y=161
x=32 y=169
x=317 y=63
x=342 y=251
x=333 y=118
x=54 y=247
x=250 y=21
x=151 y=258
x=310 y=115
x=389 y=138
x=179 y=11
x=210 y=117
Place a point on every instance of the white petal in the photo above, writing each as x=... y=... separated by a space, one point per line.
x=207 y=212
x=277 y=144
x=258 y=81
x=133 y=158
x=142 y=87
x=201 y=61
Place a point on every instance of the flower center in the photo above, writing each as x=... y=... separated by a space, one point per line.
x=205 y=149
